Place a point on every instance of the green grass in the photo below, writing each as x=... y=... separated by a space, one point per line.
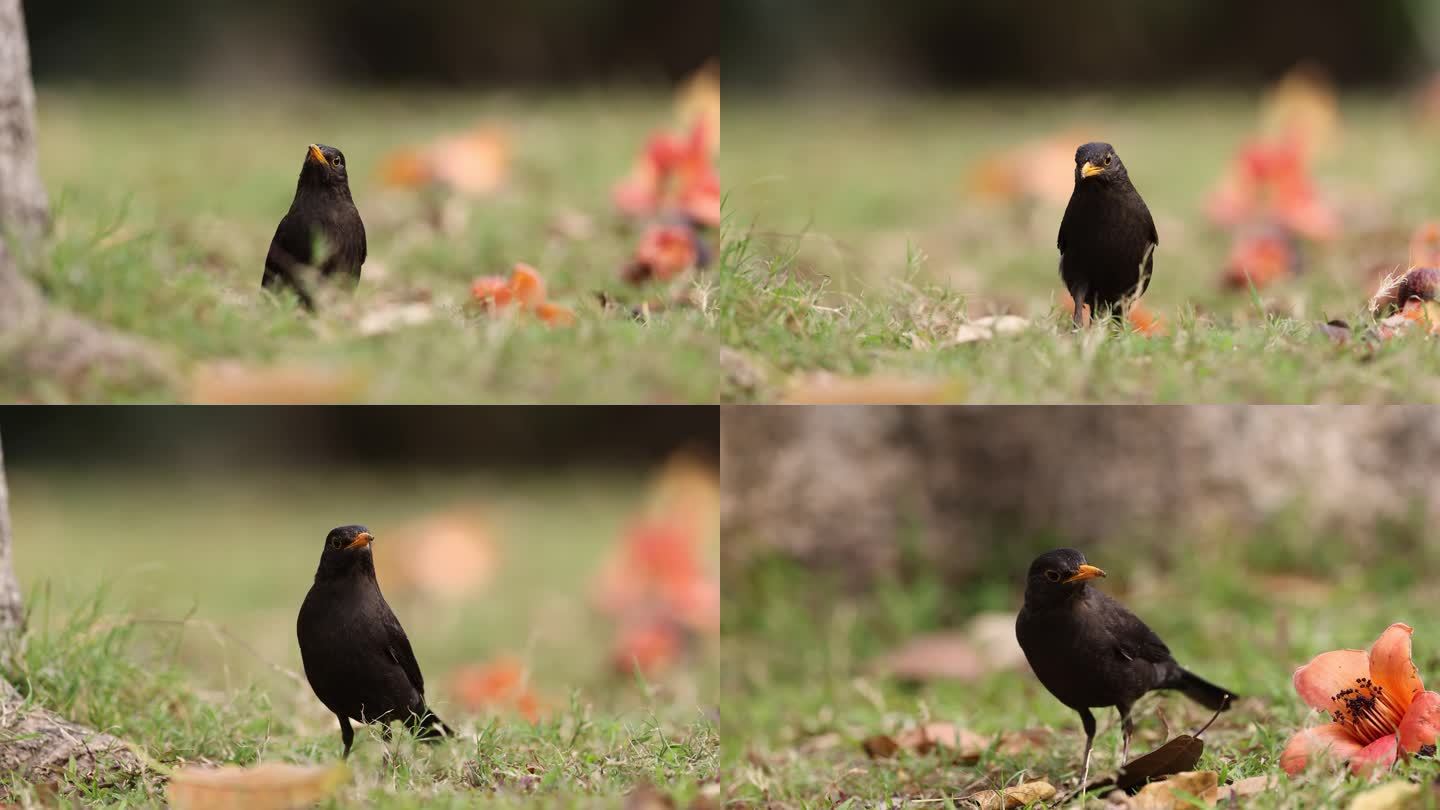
x=163 y=611
x=1243 y=611
x=166 y=202
x=854 y=247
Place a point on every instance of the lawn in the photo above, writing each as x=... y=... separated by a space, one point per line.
x=166 y=200
x=163 y=610
x=858 y=253
x=1243 y=611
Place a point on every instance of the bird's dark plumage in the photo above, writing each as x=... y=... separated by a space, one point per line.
x=321 y=234
x=1090 y=651
x=1107 y=237
x=357 y=657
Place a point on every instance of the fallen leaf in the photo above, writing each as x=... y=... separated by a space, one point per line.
x=824 y=388
x=1176 y=756
x=989 y=327
x=1018 y=796
x=267 y=786
x=965 y=744
x=937 y=656
x=1252 y=786
x=1177 y=791
x=233 y=383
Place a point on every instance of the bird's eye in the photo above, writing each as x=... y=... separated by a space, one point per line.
x=340 y=163
x=1109 y=158
x=336 y=543
x=1052 y=575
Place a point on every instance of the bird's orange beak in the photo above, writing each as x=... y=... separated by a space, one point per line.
x=1087 y=170
x=364 y=539
x=318 y=156
x=1085 y=572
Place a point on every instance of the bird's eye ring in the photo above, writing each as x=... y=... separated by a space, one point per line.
x=1052 y=575
x=336 y=543
x=1108 y=158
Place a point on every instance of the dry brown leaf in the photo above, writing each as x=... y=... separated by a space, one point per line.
x=1252 y=786
x=267 y=786
x=824 y=388
x=1173 y=792
x=231 y=383
x=1019 y=796
x=966 y=744
x=1026 y=740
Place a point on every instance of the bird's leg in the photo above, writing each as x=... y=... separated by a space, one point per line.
x=1088 y=720
x=1127 y=728
x=347 y=734
x=1078 y=293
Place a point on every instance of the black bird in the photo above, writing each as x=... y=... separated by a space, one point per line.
x=1107 y=238
x=322 y=230
x=1089 y=651
x=357 y=657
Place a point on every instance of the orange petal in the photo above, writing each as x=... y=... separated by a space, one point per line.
x=1421 y=725
x=1391 y=667
x=1375 y=757
x=1328 y=673
x=555 y=314
x=526 y=284
x=1331 y=740
x=491 y=290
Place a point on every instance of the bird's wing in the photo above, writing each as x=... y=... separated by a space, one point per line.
x=398 y=645
x=1133 y=637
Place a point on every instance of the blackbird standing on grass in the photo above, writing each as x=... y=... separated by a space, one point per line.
x=321 y=233
x=1107 y=238
x=1089 y=651
x=357 y=657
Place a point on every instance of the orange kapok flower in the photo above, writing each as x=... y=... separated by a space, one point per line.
x=1378 y=706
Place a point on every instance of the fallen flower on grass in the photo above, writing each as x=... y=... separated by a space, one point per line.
x=267 y=786
x=450 y=555
x=1024 y=795
x=1418 y=284
x=1270 y=181
x=525 y=290
x=665 y=252
x=501 y=685
x=674 y=173
x=1379 y=708
x=1139 y=318
x=475 y=164
x=989 y=327
x=1261 y=258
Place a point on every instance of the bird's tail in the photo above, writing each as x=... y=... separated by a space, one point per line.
x=429 y=727
x=1202 y=691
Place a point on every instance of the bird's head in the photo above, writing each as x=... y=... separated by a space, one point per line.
x=347 y=550
x=1058 y=574
x=324 y=166
x=1097 y=162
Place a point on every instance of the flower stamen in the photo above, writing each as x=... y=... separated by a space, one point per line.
x=1365 y=710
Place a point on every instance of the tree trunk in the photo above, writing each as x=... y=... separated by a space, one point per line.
x=36 y=744
x=12 y=609
x=23 y=206
x=37 y=342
